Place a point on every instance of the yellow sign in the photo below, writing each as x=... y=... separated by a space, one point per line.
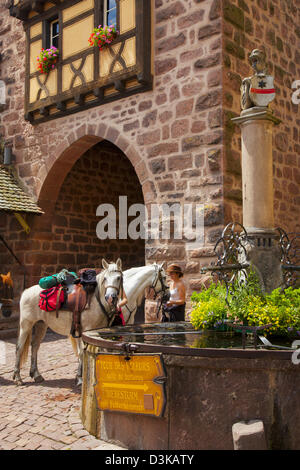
x=133 y=384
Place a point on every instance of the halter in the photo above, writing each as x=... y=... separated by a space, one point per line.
x=110 y=317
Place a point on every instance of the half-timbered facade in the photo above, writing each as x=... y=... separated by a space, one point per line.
x=84 y=76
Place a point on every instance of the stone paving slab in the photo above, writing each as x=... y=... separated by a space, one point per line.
x=44 y=416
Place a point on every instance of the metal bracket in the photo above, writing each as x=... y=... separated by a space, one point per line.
x=129 y=349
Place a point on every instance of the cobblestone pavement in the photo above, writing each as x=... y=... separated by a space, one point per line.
x=43 y=416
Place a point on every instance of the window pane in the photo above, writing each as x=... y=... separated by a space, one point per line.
x=112 y=17
x=55 y=42
x=55 y=28
x=111 y=4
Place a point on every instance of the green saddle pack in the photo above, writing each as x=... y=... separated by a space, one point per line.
x=63 y=277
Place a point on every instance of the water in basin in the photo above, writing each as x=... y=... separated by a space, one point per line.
x=180 y=334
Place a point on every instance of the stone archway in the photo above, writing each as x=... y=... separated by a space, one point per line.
x=53 y=230
x=100 y=176
x=62 y=157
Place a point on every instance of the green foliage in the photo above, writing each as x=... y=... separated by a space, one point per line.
x=248 y=305
x=209 y=307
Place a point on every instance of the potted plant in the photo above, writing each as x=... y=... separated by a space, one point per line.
x=102 y=36
x=47 y=59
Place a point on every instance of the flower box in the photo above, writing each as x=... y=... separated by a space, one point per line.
x=47 y=59
x=103 y=36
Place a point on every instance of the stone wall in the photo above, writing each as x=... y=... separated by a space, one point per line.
x=172 y=135
x=271 y=25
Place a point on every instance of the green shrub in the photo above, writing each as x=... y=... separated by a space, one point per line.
x=247 y=305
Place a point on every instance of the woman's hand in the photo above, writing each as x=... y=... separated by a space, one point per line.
x=122 y=302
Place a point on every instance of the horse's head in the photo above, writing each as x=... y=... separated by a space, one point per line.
x=159 y=283
x=112 y=282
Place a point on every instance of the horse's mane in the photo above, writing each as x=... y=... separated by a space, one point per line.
x=133 y=271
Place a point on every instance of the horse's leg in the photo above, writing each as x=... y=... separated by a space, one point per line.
x=22 y=349
x=39 y=329
x=77 y=348
x=79 y=370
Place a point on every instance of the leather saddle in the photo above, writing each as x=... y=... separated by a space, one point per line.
x=78 y=293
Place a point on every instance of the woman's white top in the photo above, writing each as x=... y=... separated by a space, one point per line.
x=174 y=294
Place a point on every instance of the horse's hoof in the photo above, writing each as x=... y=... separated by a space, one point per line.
x=39 y=379
x=17 y=379
x=19 y=382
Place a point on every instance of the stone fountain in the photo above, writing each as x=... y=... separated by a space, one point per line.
x=165 y=386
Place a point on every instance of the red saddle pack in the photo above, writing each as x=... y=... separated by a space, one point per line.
x=52 y=299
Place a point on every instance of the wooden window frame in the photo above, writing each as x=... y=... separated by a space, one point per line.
x=39 y=111
x=50 y=23
x=105 y=12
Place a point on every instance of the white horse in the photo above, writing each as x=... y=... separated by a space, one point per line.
x=136 y=281
x=109 y=283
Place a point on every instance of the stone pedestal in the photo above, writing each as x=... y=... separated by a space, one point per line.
x=258 y=200
x=249 y=436
x=263 y=253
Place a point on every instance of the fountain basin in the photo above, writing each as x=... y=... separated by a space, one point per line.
x=202 y=391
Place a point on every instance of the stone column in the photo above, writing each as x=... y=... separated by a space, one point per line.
x=257 y=168
x=258 y=201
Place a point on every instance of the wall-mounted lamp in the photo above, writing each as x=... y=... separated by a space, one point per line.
x=7 y=156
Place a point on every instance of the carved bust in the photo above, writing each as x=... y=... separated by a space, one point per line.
x=257 y=90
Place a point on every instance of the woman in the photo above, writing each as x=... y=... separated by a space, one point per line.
x=174 y=309
x=119 y=318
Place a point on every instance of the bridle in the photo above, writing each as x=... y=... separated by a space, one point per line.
x=158 y=277
x=110 y=315
x=162 y=291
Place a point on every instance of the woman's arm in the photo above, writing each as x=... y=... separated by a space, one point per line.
x=124 y=300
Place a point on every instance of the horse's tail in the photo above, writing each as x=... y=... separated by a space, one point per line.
x=25 y=325
x=25 y=350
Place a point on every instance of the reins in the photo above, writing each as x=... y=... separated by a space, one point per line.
x=162 y=290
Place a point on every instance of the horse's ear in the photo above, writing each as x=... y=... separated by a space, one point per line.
x=105 y=264
x=161 y=265
x=119 y=264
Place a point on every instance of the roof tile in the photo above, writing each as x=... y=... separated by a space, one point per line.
x=12 y=196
